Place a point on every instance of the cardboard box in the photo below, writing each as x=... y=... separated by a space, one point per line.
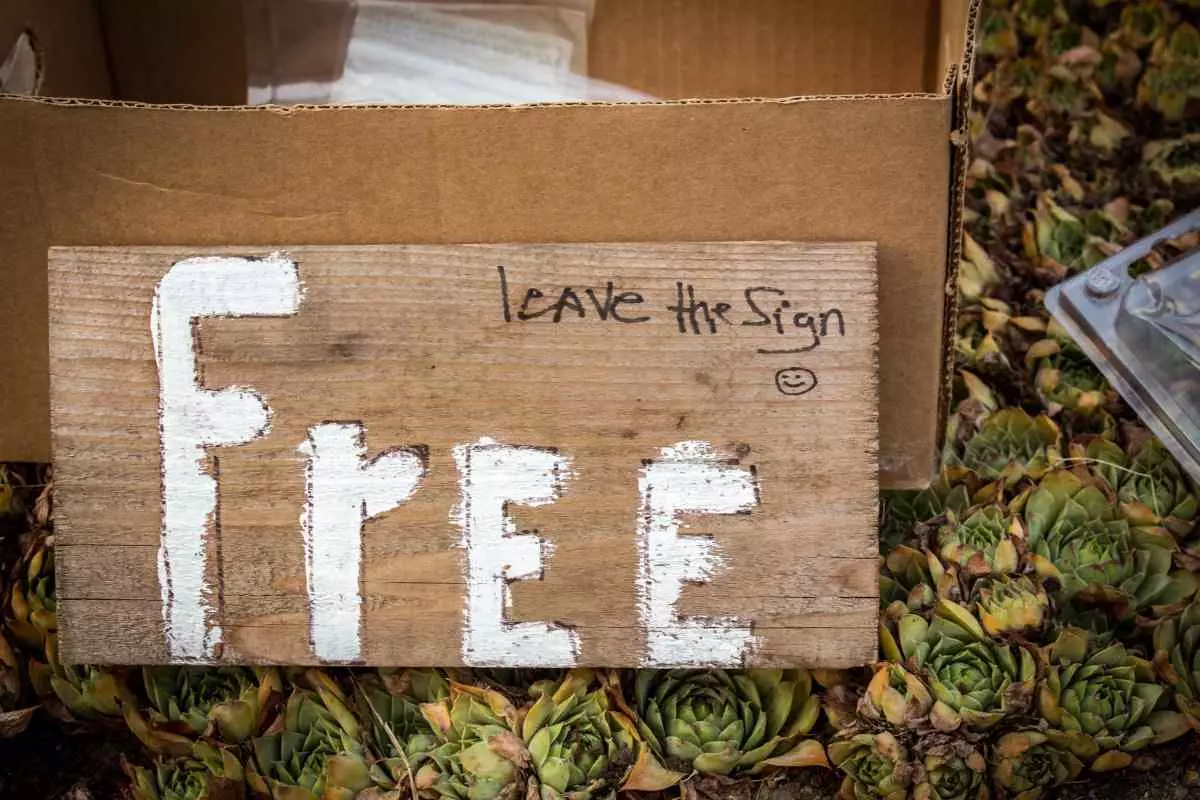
x=781 y=120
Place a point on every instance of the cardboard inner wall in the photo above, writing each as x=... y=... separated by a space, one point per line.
x=68 y=40
x=195 y=52
x=838 y=168
x=763 y=48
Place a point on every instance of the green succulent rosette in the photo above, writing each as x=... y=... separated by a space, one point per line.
x=1171 y=83
x=312 y=750
x=875 y=765
x=1078 y=538
x=32 y=608
x=1025 y=764
x=1006 y=604
x=954 y=490
x=997 y=32
x=1145 y=22
x=950 y=770
x=1065 y=378
x=1175 y=163
x=1058 y=240
x=15 y=713
x=1177 y=658
x=481 y=756
x=726 y=722
x=207 y=772
x=896 y=697
x=909 y=581
x=1037 y=18
x=1009 y=445
x=581 y=747
x=1103 y=703
x=1102 y=135
x=975 y=681
x=389 y=706
x=1149 y=484
x=88 y=692
x=982 y=543
x=225 y=704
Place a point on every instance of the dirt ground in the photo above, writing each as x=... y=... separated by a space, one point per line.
x=52 y=761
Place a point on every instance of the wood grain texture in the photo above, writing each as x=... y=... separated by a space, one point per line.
x=412 y=342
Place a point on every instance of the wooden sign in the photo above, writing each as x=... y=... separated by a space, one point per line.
x=493 y=455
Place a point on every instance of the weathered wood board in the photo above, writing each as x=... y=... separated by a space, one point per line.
x=602 y=454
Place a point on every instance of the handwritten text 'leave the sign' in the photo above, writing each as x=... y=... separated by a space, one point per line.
x=343 y=489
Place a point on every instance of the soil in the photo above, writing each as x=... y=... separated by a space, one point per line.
x=1170 y=772
x=54 y=761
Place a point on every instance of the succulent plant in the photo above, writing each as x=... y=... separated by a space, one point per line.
x=88 y=692
x=480 y=757
x=1171 y=82
x=1174 y=162
x=976 y=271
x=1177 y=657
x=1066 y=378
x=953 y=769
x=1103 y=703
x=1007 y=604
x=311 y=751
x=1143 y=23
x=1078 y=539
x=983 y=543
x=15 y=713
x=725 y=722
x=909 y=581
x=10 y=503
x=975 y=681
x=1026 y=764
x=1100 y=133
x=207 y=772
x=997 y=32
x=1058 y=240
x=389 y=706
x=896 y=697
x=1149 y=484
x=841 y=697
x=977 y=347
x=954 y=489
x=876 y=765
x=581 y=748
x=226 y=704
x=32 y=610
x=1036 y=18
x=1009 y=445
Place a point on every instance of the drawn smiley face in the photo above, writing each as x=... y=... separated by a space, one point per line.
x=795 y=380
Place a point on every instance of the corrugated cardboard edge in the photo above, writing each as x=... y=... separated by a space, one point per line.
x=288 y=110
x=959 y=84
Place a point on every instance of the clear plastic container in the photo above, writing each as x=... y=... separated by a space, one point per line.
x=424 y=52
x=1142 y=329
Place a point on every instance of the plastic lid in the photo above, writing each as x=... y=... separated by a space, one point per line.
x=1142 y=329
